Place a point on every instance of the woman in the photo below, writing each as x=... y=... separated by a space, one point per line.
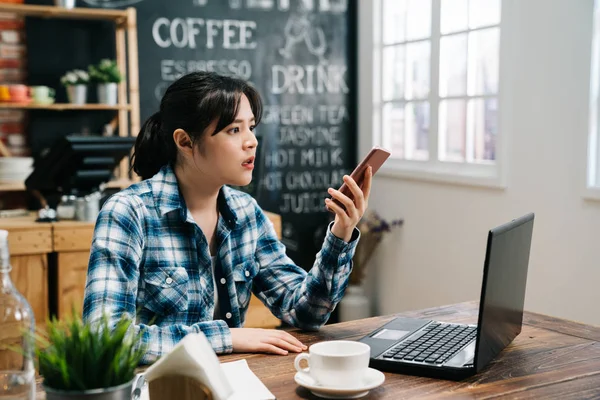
x=181 y=252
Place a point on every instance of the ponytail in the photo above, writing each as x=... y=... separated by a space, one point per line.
x=153 y=149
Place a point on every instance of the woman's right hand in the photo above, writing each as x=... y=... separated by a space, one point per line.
x=254 y=340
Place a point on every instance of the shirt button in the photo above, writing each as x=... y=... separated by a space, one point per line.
x=247 y=274
x=228 y=315
x=169 y=280
x=343 y=255
x=223 y=281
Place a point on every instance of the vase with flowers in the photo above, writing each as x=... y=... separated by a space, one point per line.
x=373 y=228
x=107 y=76
x=75 y=82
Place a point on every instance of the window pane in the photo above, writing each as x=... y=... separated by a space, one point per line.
x=417 y=70
x=418 y=19
x=454 y=16
x=484 y=49
x=484 y=13
x=453 y=65
x=452 y=130
x=417 y=131
x=483 y=121
x=393 y=128
x=394 y=21
x=393 y=72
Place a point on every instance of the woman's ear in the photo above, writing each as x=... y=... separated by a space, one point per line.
x=183 y=141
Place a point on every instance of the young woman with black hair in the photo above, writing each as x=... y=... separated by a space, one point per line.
x=181 y=252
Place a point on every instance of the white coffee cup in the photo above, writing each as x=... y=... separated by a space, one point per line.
x=336 y=363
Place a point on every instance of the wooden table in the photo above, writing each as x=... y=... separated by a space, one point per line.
x=551 y=358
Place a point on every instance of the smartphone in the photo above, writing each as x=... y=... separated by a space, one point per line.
x=374 y=159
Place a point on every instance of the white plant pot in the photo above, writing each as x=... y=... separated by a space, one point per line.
x=65 y=3
x=107 y=93
x=77 y=94
x=355 y=305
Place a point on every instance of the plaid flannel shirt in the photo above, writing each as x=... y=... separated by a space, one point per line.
x=150 y=262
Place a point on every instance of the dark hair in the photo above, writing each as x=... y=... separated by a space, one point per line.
x=191 y=103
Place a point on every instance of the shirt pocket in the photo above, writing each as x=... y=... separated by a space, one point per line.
x=166 y=291
x=243 y=276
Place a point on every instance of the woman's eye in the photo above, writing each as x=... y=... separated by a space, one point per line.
x=252 y=128
x=234 y=130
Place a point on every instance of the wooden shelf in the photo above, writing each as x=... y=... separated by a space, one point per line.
x=29 y=10
x=64 y=106
x=17 y=186
x=11 y=186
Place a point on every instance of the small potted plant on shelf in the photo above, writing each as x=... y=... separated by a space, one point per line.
x=106 y=75
x=80 y=360
x=75 y=82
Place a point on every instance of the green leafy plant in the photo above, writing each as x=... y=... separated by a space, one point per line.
x=76 y=356
x=106 y=71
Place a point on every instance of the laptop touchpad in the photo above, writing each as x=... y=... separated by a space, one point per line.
x=390 y=334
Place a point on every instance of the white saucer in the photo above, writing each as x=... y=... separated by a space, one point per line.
x=372 y=379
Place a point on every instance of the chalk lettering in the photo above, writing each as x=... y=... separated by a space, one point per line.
x=303 y=203
x=332 y=114
x=272 y=181
x=280 y=158
x=321 y=157
x=313 y=136
x=183 y=32
x=288 y=115
x=313 y=179
x=308 y=79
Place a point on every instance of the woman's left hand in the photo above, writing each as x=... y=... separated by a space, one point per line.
x=347 y=219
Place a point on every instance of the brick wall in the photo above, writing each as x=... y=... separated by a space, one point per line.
x=13 y=59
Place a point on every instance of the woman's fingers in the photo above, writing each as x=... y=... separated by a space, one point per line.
x=282 y=344
x=290 y=339
x=339 y=211
x=269 y=348
x=367 y=184
x=345 y=200
x=359 y=199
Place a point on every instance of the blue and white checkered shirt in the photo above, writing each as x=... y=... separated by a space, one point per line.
x=149 y=259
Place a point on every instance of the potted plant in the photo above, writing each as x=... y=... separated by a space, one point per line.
x=106 y=75
x=75 y=82
x=88 y=361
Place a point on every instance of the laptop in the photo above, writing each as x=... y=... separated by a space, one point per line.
x=456 y=351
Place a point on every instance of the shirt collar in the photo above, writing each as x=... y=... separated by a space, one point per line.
x=168 y=198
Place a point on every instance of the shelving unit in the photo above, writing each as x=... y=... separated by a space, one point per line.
x=128 y=107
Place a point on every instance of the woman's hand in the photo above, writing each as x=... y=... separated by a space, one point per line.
x=252 y=340
x=346 y=220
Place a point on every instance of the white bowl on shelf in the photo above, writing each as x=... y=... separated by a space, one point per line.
x=15 y=168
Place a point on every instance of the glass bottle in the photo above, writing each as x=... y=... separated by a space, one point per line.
x=17 y=371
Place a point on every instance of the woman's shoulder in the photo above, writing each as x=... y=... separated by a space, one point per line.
x=130 y=199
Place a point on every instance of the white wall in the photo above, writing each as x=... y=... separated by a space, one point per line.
x=437 y=256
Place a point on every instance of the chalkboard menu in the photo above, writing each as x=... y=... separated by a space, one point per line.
x=300 y=54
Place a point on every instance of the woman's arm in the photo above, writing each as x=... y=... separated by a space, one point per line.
x=306 y=300
x=113 y=275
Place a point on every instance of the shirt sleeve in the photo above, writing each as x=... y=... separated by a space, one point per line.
x=301 y=299
x=112 y=281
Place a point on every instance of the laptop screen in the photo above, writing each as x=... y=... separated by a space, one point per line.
x=503 y=289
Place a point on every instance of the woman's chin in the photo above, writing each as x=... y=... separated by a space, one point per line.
x=242 y=181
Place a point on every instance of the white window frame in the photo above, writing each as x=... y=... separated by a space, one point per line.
x=592 y=187
x=491 y=175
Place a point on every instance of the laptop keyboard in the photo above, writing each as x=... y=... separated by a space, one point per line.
x=439 y=343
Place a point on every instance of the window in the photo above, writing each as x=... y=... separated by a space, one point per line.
x=593 y=178
x=437 y=105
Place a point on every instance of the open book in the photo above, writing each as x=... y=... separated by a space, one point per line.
x=194 y=357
